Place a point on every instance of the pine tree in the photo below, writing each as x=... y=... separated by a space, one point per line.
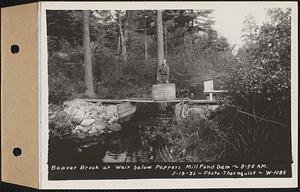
x=88 y=68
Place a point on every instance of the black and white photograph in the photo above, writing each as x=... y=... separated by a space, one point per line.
x=158 y=89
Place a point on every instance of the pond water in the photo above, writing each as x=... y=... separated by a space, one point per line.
x=138 y=141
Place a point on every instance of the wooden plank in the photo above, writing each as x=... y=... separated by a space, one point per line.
x=148 y=100
x=127 y=113
x=215 y=91
x=115 y=101
x=126 y=106
x=174 y=101
x=126 y=109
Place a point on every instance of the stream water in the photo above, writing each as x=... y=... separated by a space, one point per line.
x=138 y=141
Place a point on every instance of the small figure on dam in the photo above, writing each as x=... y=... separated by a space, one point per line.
x=163 y=72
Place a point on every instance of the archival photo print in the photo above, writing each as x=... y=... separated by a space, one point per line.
x=169 y=93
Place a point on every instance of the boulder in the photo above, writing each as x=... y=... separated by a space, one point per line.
x=78 y=117
x=97 y=108
x=100 y=125
x=82 y=129
x=87 y=122
x=94 y=132
x=110 y=111
x=88 y=115
x=91 y=118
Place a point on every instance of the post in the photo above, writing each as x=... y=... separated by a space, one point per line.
x=211 y=96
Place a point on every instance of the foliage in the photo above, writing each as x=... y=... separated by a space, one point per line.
x=59 y=122
x=262 y=77
x=201 y=57
x=193 y=139
x=260 y=85
x=58 y=88
x=65 y=78
x=189 y=39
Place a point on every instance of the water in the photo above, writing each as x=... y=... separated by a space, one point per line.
x=138 y=141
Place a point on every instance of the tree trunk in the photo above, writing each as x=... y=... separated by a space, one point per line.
x=160 y=39
x=192 y=20
x=124 y=44
x=160 y=51
x=88 y=68
x=146 y=39
x=123 y=35
x=166 y=38
x=119 y=45
x=124 y=50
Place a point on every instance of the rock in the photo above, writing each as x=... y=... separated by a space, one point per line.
x=82 y=129
x=74 y=131
x=85 y=109
x=69 y=110
x=113 y=120
x=101 y=116
x=92 y=118
x=97 y=109
x=100 y=125
x=81 y=135
x=110 y=111
x=78 y=117
x=94 y=114
x=83 y=104
x=114 y=127
x=93 y=132
x=88 y=115
x=87 y=122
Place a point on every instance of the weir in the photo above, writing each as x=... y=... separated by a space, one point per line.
x=165 y=93
x=163 y=96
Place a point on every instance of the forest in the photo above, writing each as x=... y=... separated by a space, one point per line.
x=114 y=54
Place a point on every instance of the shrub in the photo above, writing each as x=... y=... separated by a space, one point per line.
x=192 y=140
x=60 y=88
x=59 y=122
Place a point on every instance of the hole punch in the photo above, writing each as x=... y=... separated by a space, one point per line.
x=17 y=151
x=14 y=49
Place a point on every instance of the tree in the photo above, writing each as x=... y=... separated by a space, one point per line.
x=250 y=29
x=261 y=85
x=184 y=22
x=119 y=36
x=88 y=68
x=146 y=37
x=264 y=65
x=143 y=22
x=63 y=25
x=160 y=39
x=118 y=19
